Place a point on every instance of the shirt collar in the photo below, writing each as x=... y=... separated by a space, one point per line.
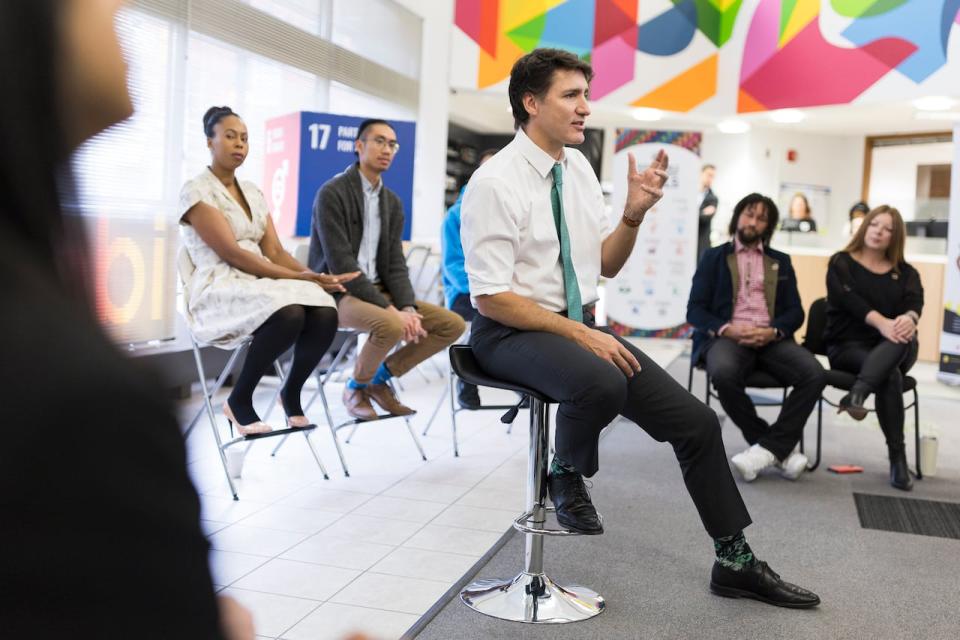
x=368 y=187
x=739 y=247
x=539 y=159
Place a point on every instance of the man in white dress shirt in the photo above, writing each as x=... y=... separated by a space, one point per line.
x=536 y=239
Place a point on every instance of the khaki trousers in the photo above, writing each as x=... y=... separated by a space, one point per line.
x=443 y=327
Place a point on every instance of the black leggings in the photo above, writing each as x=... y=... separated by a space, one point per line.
x=310 y=330
x=879 y=368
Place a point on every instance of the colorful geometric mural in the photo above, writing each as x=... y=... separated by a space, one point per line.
x=786 y=59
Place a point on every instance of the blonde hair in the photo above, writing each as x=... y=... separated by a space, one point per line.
x=894 y=252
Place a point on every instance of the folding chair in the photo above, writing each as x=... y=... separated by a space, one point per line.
x=813 y=341
x=186 y=268
x=347 y=339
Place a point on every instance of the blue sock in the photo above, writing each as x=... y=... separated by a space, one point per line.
x=382 y=375
x=353 y=384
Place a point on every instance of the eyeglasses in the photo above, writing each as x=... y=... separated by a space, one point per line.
x=382 y=142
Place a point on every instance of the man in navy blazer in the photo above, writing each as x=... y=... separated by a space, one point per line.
x=745 y=307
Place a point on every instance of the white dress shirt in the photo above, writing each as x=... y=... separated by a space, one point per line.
x=367 y=257
x=509 y=236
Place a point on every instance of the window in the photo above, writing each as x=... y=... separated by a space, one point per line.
x=263 y=58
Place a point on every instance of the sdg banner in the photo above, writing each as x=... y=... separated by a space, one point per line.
x=305 y=149
x=950 y=334
x=648 y=298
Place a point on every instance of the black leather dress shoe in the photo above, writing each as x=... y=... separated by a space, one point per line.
x=467 y=395
x=762 y=583
x=575 y=511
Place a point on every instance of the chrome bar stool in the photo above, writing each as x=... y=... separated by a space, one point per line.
x=530 y=596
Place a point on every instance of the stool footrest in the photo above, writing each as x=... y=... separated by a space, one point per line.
x=521 y=525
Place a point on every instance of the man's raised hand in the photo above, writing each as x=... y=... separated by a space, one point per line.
x=644 y=188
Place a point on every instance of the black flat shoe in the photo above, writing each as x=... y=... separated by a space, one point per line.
x=467 y=395
x=575 y=511
x=899 y=471
x=852 y=403
x=762 y=583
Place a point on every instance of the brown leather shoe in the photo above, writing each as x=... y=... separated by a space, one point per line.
x=358 y=404
x=383 y=395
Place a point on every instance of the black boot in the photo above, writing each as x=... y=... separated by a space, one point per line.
x=899 y=472
x=467 y=395
x=852 y=403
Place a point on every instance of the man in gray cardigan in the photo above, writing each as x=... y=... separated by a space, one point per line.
x=357 y=226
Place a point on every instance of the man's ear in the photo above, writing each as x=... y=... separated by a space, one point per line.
x=530 y=104
x=356 y=146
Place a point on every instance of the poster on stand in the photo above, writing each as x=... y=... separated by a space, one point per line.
x=648 y=298
x=950 y=334
x=305 y=149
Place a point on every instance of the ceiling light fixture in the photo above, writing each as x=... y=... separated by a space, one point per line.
x=934 y=103
x=787 y=116
x=646 y=114
x=733 y=126
x=948 y=116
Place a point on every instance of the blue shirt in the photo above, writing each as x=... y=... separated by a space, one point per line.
x=454 y=273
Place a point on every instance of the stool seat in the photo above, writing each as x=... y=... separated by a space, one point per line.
x=465 y=365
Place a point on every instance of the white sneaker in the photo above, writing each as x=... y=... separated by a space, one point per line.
x=752 y=461
x=793 y=465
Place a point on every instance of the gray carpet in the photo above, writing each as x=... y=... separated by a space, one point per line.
x=653 y=562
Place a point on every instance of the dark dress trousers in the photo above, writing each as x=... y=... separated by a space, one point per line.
x=592 y=393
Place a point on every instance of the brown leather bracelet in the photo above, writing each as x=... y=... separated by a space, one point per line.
x=631 y=223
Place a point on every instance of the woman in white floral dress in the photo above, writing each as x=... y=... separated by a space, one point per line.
x=245 y=282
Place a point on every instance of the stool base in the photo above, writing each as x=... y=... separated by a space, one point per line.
x=534 y=598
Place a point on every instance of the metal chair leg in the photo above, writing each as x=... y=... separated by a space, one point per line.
x=316 y=456
x=210 y=413
x=413 y=434
x=816 y=463
x=436 y=409
x=451 y=392
x=916 y=431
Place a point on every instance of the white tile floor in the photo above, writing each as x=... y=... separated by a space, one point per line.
x=317 y=559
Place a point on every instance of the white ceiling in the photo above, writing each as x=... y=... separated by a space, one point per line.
x=488 y=112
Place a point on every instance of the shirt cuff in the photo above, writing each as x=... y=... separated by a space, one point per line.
x=722 y=329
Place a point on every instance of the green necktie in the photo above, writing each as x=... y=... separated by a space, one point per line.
x=570 y=287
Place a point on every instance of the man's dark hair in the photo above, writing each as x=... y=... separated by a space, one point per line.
x=213 y=116
x=533 y=73
x=773 y=215
x=366 y=124
x=861 y=207
x=369 y=122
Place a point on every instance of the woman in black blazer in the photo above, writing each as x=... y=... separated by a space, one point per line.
x=874 y=300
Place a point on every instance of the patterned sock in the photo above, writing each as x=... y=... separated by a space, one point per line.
x=382 y=375
x=733 y=552
x=558 y=467
x=353 y=384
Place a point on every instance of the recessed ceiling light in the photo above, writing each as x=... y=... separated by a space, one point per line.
x=646 y=114
x=733 y=126
x=948 y=116
x=934 y=103
x=787 y=116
